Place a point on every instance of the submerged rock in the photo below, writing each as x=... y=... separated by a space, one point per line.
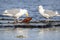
x=21 y=36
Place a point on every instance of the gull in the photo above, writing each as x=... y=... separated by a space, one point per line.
x=47 y=13
x=16 y=13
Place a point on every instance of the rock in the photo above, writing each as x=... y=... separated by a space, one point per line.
x=27 y=20
x=21 y=36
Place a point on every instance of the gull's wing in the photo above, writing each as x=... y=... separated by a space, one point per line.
x=13 y=11
x=50 y=12
x=8 y=14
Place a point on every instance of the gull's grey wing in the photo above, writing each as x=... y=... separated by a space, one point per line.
x=13 y=11
x=50 y=13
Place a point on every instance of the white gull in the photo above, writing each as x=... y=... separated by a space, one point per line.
x=16 y=13
x=47 y=13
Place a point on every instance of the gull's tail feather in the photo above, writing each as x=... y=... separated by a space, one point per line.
x=57 y=13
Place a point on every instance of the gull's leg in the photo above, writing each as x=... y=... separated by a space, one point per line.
x=47 y=20
x=15 y=20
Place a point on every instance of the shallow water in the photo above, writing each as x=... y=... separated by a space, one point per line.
x=30 y=33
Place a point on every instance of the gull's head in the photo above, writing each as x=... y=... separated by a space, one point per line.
x=40 y=7
x=41 y=10
x=26 y=13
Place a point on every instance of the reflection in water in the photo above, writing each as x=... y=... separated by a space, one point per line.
x=49 y=34
x=30 y=34
x=22 y=33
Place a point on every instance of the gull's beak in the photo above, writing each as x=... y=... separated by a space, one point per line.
x=27 y=14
